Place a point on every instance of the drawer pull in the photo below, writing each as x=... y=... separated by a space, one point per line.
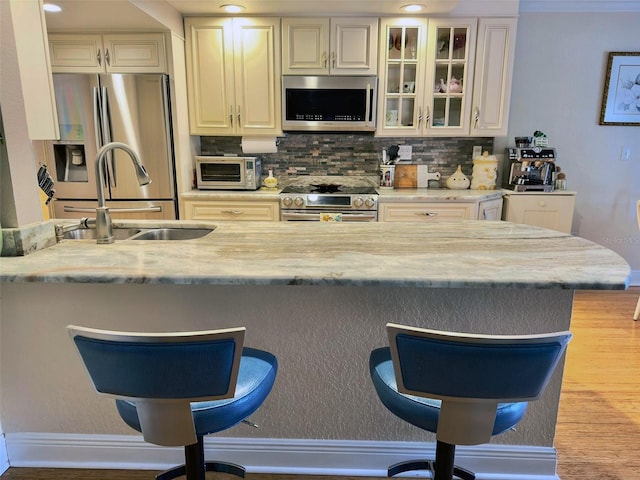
x=233 y=212
x=428 y=214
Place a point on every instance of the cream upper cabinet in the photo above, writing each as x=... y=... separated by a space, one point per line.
x=401 y=81
x=233 y=75
x=494 y=71
x=445 y=76
x=424 y=82
x=112 y=53
x=330 y=46
x=449 y=77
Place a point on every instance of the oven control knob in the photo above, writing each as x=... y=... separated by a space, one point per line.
x=370 y=202
x=358 y=202
x=299 y=202
x=287 y=201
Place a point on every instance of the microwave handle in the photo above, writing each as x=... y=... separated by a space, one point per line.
x=367 y=114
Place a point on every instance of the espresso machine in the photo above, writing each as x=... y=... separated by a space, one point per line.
x=532 y=169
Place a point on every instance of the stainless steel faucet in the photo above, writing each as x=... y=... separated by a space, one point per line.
x=104 y=229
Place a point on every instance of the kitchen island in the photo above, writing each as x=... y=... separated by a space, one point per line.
x=318 y=296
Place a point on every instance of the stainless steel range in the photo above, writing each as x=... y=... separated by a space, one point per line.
x=328 y=201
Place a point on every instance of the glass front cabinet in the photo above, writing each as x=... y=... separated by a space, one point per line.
x=427 y=84
x=449 y=76
x=402 y=52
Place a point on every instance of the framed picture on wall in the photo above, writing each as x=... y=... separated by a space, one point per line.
x=621 y=97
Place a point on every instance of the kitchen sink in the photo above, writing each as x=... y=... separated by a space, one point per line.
x=139 y=233
x=172 y=234
x=90 y=233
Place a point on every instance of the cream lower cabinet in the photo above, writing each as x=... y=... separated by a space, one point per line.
x=427 y=212
x=547 y=210
x=233 y=75
x=490 y=209
x=440 y=211
x=109 y=53
x=233 y=210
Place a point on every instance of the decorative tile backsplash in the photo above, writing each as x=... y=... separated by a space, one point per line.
x=352 y=154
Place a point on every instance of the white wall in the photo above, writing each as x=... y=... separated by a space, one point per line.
x=559 y=73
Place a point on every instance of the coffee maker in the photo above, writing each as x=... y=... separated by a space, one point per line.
x=532 y=169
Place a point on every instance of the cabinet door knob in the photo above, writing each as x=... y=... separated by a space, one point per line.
x=542 y=203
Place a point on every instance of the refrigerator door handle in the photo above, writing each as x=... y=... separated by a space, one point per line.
x=106 y=137
x=98 y=126
x=157 y=208
x=167 y=116
x=97 y=123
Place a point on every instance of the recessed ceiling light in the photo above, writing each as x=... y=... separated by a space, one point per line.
x=50 y=7
x=230 y=8
x=413 y=8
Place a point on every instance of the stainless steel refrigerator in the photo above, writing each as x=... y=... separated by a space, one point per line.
x=97 y=109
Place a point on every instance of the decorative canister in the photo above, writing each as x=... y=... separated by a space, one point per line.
x=485 y=172
x=387 y=173
x=457 y=181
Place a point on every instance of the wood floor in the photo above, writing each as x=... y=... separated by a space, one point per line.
x=598 y=429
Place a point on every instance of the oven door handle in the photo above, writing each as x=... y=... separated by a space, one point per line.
x=315 y=217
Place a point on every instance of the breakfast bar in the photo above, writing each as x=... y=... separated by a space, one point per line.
x=317 y=295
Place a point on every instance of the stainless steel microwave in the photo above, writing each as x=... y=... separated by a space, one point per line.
x=228 y=173
x=337 y=103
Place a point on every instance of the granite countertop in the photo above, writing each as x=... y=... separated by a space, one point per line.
x=387 y=195
x=461 y=254
x=263 y=194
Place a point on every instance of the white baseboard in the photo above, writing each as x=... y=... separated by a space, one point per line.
x=282 y=456
x=4 y=459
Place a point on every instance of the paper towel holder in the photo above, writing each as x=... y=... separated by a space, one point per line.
x=259 y=145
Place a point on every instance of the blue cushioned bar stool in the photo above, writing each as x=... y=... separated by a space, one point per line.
x=462 y=387
x=176 y=387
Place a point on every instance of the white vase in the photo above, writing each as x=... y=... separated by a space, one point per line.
x=270 y=181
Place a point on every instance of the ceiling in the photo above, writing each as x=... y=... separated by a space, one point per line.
x=279 y=7
x=130 y=14
x=159 y=14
